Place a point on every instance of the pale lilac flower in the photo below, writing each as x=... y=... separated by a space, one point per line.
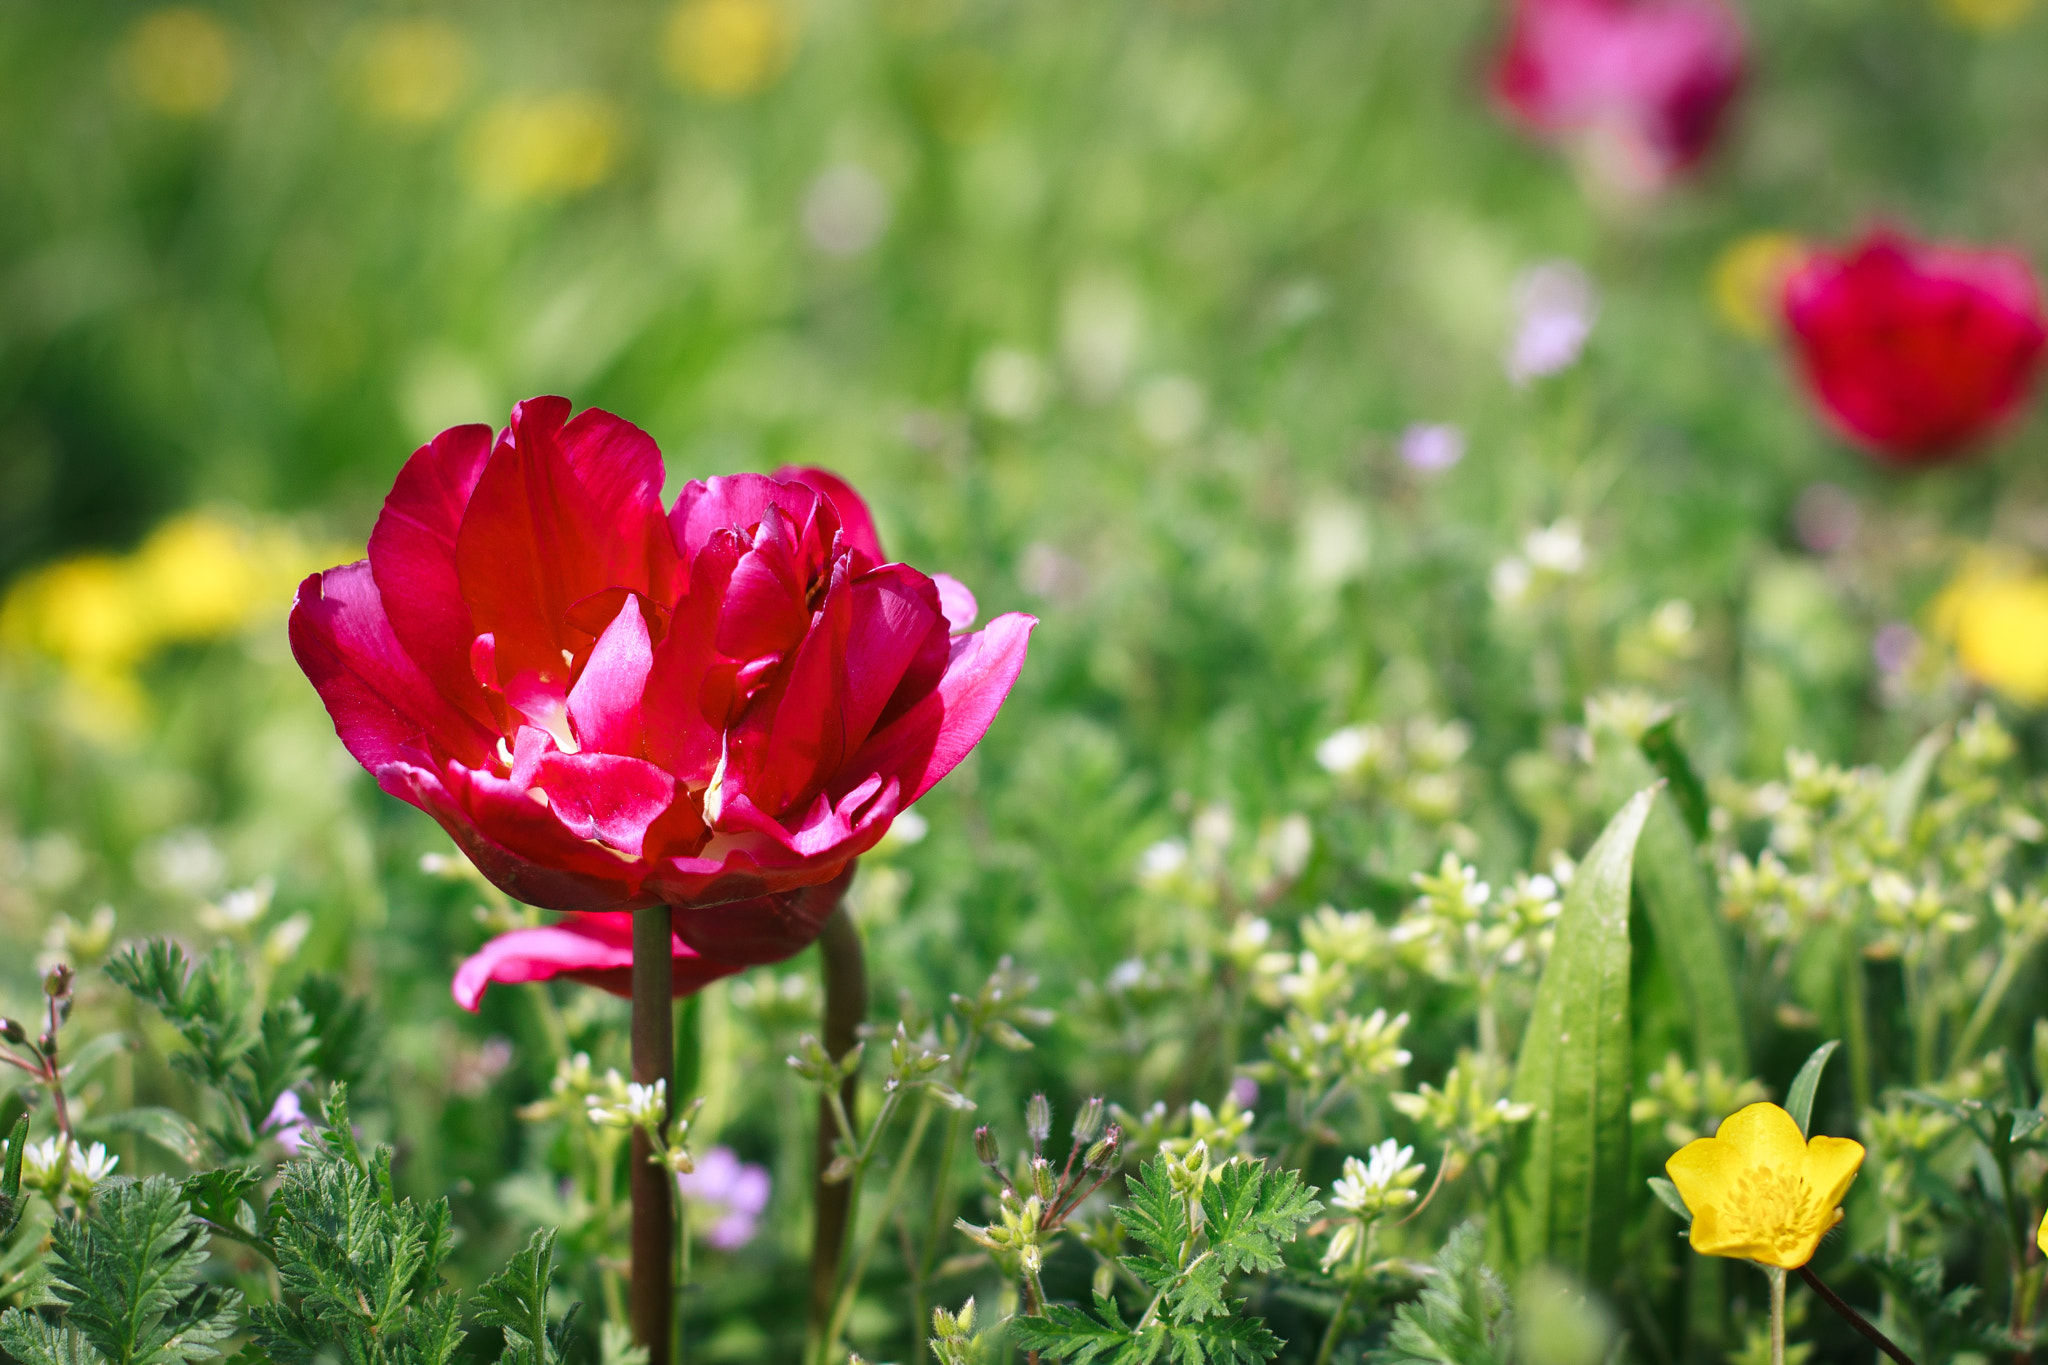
x=730 y=1194
x=287 y=1122
x=1245 y=1092
x=1432 y=447
x=1555 y=305
x=1894 y=647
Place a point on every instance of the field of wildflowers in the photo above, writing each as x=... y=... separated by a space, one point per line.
x=1176 y=680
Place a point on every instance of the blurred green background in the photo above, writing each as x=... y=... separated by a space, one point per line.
x=1116 y=311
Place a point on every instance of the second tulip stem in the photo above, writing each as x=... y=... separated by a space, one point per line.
x=846 y=1006
x=653 y=1186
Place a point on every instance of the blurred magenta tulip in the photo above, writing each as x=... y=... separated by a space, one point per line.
x=1915 y=350
x=609 y=706
x=1644 y=82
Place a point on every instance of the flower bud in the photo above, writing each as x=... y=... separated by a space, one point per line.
x=1088 y=1123
x=986 y=1150
x=1038 y=1119
x=1104 y=1152
x=1042 y=1179
x=12 y=1031
x=58 y=982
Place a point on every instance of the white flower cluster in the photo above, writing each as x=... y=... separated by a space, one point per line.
x=59 y=1163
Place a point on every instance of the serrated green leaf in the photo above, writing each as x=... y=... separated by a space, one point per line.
x=1066 y=1333
x=1805 y=1085
x=515 y=1300
x=1679 y=904
x=30 y=1339
x=1199 y=1294
x=1566 y=1186
x=1250 y=1212
x=128 y=1278
x=1462 y=1316
x=1156 y=1216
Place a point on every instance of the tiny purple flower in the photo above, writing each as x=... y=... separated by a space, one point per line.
x=1245 y=1091
x=1555 y=305
x=287 y=1122
x=1432 y=447
x=1894 y=647
x=731 y=1194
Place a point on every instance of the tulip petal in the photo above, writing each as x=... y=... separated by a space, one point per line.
x=854 y=518
x=383 y=706
x=526 y=853
x=764 y=611
x=619 y=465
x=929 y=740
x=593 y=948
x=606 y=797
x=957 y=601
x=604 y=706
x=412 y=557
x=766 y=929
x=531 y=546
x=679 y=735
x=737 y=502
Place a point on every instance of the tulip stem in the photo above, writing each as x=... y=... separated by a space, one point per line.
x=652 y=1185
x=846 y=1006
x=1854 y=1318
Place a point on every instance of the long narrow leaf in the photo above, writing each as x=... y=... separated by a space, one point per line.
x=1567 y=1191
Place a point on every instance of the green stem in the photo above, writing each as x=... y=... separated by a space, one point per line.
x=1777 y=1278
x=846 y=1005
x=865 y=1245
x=1855 y=1024
x=1336 y=1327
x=2009 y=964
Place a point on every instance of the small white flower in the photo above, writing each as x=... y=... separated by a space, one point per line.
x=1510 y=580
x=92 y=1164
x=1383 y=1181
x=1162 y=861
x=1344 y=752
x=1557 y=548
x=629 y=1105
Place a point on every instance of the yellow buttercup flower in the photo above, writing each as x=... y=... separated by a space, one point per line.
x=2041 y=1237
x=1760 y=1191
x=1987 y=15
x=548 y=147
x=180 y=61
x=1748 y=279
x=412 y=70
x=1996 y=614
x=728 y=48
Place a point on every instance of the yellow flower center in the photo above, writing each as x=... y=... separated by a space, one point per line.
x=1766 y=1207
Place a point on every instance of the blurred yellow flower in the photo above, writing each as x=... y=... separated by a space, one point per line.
x=199 y=576
x=1759 y=1190
x=179 y=61
x=1748 y=278
x=545 y=147
x=412 y=70
x=1987 y=15
x=1995 y=612
x=2041 y=1236
x=728 y=48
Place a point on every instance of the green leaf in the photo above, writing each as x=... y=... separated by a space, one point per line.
x=1462 y=1316
x=1799 y=1099
x=1902 y=792
x=1156 y=1215
x=1199 y=1294
x=1660 y=745
x=11 y=1203
x=128 y=1278
x=1566 y=1187
x=167 y=1128
x=1679 y=903
x=516 y=1301
x=1668 y=1195
x=1066 y=1333
x=33 y=1340
x=1250 y=1212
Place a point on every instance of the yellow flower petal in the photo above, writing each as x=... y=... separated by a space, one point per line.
x=2041 y=1237
x=1759 y=1191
